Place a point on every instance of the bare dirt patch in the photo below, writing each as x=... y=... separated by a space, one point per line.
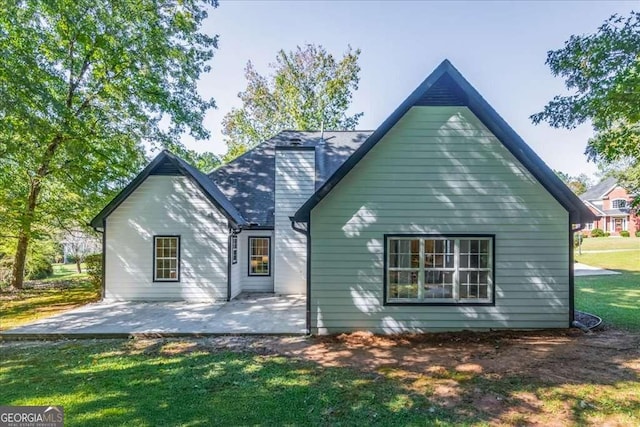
x=504 y=378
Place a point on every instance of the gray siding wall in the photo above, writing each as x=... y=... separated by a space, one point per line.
x=294 y=183
x=252 y=283
x=439 y=170
x=166 y=205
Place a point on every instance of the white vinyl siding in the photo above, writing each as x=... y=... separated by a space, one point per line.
x=294 y=184
x=241 y=281
x=166 y=205
x=439 y=171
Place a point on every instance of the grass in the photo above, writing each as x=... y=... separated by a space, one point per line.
x=610 y=243
x=175 y=382
x=105 y=384
x=614 y=298
x=27 y=305
x=66 y=271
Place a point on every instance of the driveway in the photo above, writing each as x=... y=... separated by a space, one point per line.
x=587 y=270
x=248 y=314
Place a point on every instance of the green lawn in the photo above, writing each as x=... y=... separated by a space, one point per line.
x=608 y=243
x=27 y=305
x=66 y=271
x=180 y=382
x=614 y=298
x=106 y=384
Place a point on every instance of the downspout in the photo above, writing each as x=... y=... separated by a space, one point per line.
x=229 y=264
x=104 y=259
x=307 y=233
x=572 y=230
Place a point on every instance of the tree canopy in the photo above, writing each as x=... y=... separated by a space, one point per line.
x=309 y=89
x=83 y=85
x=602 y=73
x=578 y=184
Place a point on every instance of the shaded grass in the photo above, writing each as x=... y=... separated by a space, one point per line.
x=27 y=305
x=176 y=382
x=105 y=383
x=66 y=272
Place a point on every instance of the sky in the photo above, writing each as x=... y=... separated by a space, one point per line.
x=499 y=46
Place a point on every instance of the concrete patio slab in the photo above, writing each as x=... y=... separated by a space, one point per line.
x=248 y=314
x=587 y=270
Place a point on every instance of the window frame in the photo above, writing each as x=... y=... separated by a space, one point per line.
x=249 y=240
x=155 y=258
x=626 y=203
x=491 y=301
x=234 y=249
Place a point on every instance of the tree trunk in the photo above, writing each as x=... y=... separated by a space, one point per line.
x=78 y=267
x=24 y=236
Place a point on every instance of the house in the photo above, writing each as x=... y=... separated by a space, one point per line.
x=440 y=219
x=611 y=205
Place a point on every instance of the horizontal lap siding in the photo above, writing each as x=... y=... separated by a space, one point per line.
x=166 y=205
x=439 y=170
x=253 y=283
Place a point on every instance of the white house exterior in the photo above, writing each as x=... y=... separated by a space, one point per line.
x=440 y=219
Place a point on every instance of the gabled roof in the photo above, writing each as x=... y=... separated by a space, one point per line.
x=249 y=181
x=166 y=163
x=447 y=87
x=601 y=189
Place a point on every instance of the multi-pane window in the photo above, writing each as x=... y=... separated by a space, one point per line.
x=234 y=249
x=439 y=269
x=259 y=256
x=618 y=204
x=166 y=258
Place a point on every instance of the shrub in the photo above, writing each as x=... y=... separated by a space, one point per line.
x=597 y=232
x=607 y=234
x=38 y=267
x=93 y=265
x=638 y=233
x=624 y=233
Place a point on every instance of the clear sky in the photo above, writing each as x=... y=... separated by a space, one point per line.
x=499 y=46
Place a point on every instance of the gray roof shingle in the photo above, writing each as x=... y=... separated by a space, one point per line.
x=596 y=192
x=249 y=180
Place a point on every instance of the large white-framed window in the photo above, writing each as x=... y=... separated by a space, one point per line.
x=619 y=204
x=441 y=269
x=234 y=248
x=166 y=258
x=259 y=256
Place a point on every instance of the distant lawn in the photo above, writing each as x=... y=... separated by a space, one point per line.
x=67 y=271
x=60 y=294
x=609 y=243
x=614 y=298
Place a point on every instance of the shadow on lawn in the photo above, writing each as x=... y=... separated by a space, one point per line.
x=513 y=378
x=111 y=385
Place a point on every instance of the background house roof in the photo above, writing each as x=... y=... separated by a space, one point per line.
x=445 y=86
x=597 y=191
x=249 y=181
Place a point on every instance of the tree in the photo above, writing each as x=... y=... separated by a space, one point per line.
x=83 y=84
x=309 y=89
x=578 y=184
x=603 y=72
x=79 y=245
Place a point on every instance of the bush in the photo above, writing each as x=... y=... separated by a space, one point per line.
x=607 y=234
x=638 y=233
x=597 y=232
x=625 y=233
x=93 y=265
x=38 y=267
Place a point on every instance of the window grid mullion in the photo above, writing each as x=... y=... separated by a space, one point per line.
x=456 y=268
x=421 y=271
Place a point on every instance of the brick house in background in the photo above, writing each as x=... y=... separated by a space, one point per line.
x=611 y=203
